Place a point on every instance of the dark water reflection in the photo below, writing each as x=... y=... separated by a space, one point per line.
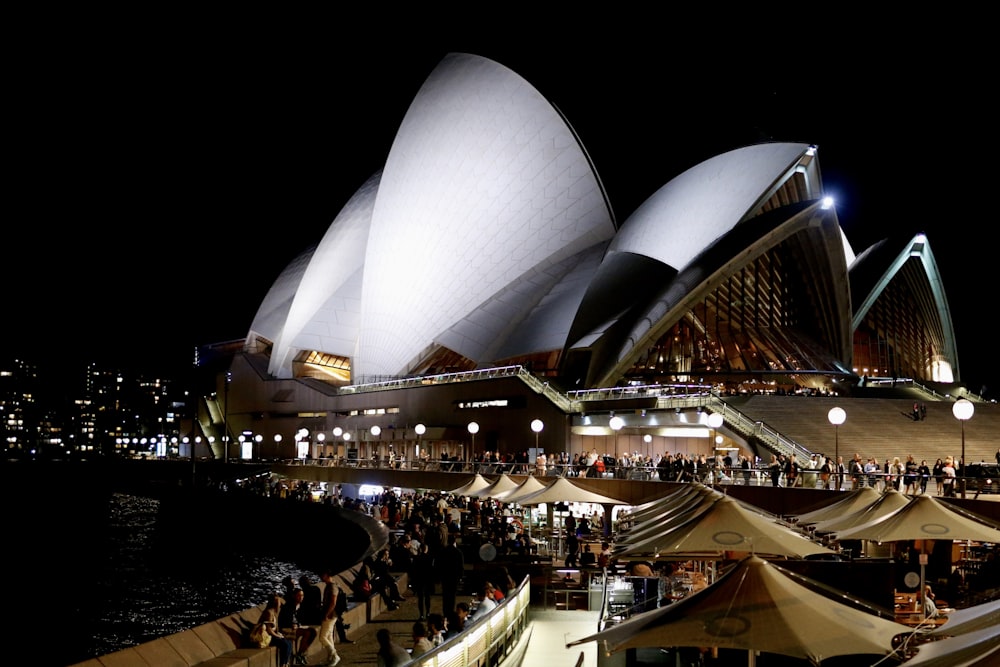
x=132 y=579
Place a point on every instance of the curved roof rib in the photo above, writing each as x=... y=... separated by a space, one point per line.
x=878 y=268
x=485 y=186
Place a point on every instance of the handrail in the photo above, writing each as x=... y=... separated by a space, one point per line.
x=498 y=632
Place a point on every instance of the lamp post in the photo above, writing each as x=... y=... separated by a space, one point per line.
x=963 y=409
x=258 y=439
x=321 y=439
x=715 y=421
x=616 y=423
x=225 y=419
x=376 y=430
x=537 y=425
x=277 y=442
x=420 y=429
x=837 y=416
x=473 y=429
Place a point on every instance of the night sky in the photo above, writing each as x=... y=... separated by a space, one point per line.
x=158 y=184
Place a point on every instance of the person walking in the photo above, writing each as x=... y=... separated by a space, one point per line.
x=421 y=577
x=329 y=619
x=938 y=472
x=948 y=477
x=923 y=474
x=449 y=565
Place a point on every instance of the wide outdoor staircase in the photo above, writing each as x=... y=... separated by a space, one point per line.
x=879 y=427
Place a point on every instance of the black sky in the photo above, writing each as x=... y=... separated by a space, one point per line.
x=158 y=183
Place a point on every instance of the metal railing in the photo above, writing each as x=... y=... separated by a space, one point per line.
x=487 y=641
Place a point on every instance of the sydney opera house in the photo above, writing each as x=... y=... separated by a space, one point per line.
x=479 y=294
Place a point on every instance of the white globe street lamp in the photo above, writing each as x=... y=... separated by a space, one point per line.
x=963 y=409
x=420 y=429
x=616 y=423
x=837 y=416
x=537 y=426
x=715 y=421
x=473 y=429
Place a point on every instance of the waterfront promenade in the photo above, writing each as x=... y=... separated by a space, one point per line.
x=546 y=644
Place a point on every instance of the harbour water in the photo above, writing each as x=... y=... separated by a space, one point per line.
x=90 y=585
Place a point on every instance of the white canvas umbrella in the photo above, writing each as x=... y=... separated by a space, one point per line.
x=676 y=496
x=472 y=487
x=658 y=525
x=961 y=621
x=758 y=606
x=887 y=503
x=502 y=485
x=729 y=525
x=974 y=649
x=923 y=518
x=853 y=501
x=676 y=505
x=526 y=488
x=564 y=491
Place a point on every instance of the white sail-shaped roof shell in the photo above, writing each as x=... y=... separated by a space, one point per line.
x=485 y=186
x=693 y=210
x=326 y=309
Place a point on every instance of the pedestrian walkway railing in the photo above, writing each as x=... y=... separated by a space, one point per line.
x=486 y=641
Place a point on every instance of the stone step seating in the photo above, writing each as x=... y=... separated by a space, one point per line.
x=223 y=642
x=877 y=427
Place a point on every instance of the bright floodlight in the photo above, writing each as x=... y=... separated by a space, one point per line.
x=537 y=425
x=837 y=416
x=337 y=432
x=963 y=409
x=376 y=430
x=616 y=423
x=715 y=420
x=420 y=429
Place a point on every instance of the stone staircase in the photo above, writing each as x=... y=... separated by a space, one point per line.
x=879 y=427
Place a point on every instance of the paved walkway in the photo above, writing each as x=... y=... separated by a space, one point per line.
x=550 y=630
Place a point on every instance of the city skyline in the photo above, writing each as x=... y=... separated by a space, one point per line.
x=208 y=185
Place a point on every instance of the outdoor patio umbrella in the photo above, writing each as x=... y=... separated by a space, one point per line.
x=564 y=491
x=853 y=501
x=970 y=619
x=659 y=525
x=974 y=649
x=728 y=525
x=923 y=518
x=502 y=485
x=887 y=503
x=673 y=497
x=677 y=505
x=758 y=606
x=526 y=488
x=472 y=487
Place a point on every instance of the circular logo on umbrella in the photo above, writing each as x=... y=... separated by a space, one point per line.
x=728 y=537
x=727 y=626
x=935 y=529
